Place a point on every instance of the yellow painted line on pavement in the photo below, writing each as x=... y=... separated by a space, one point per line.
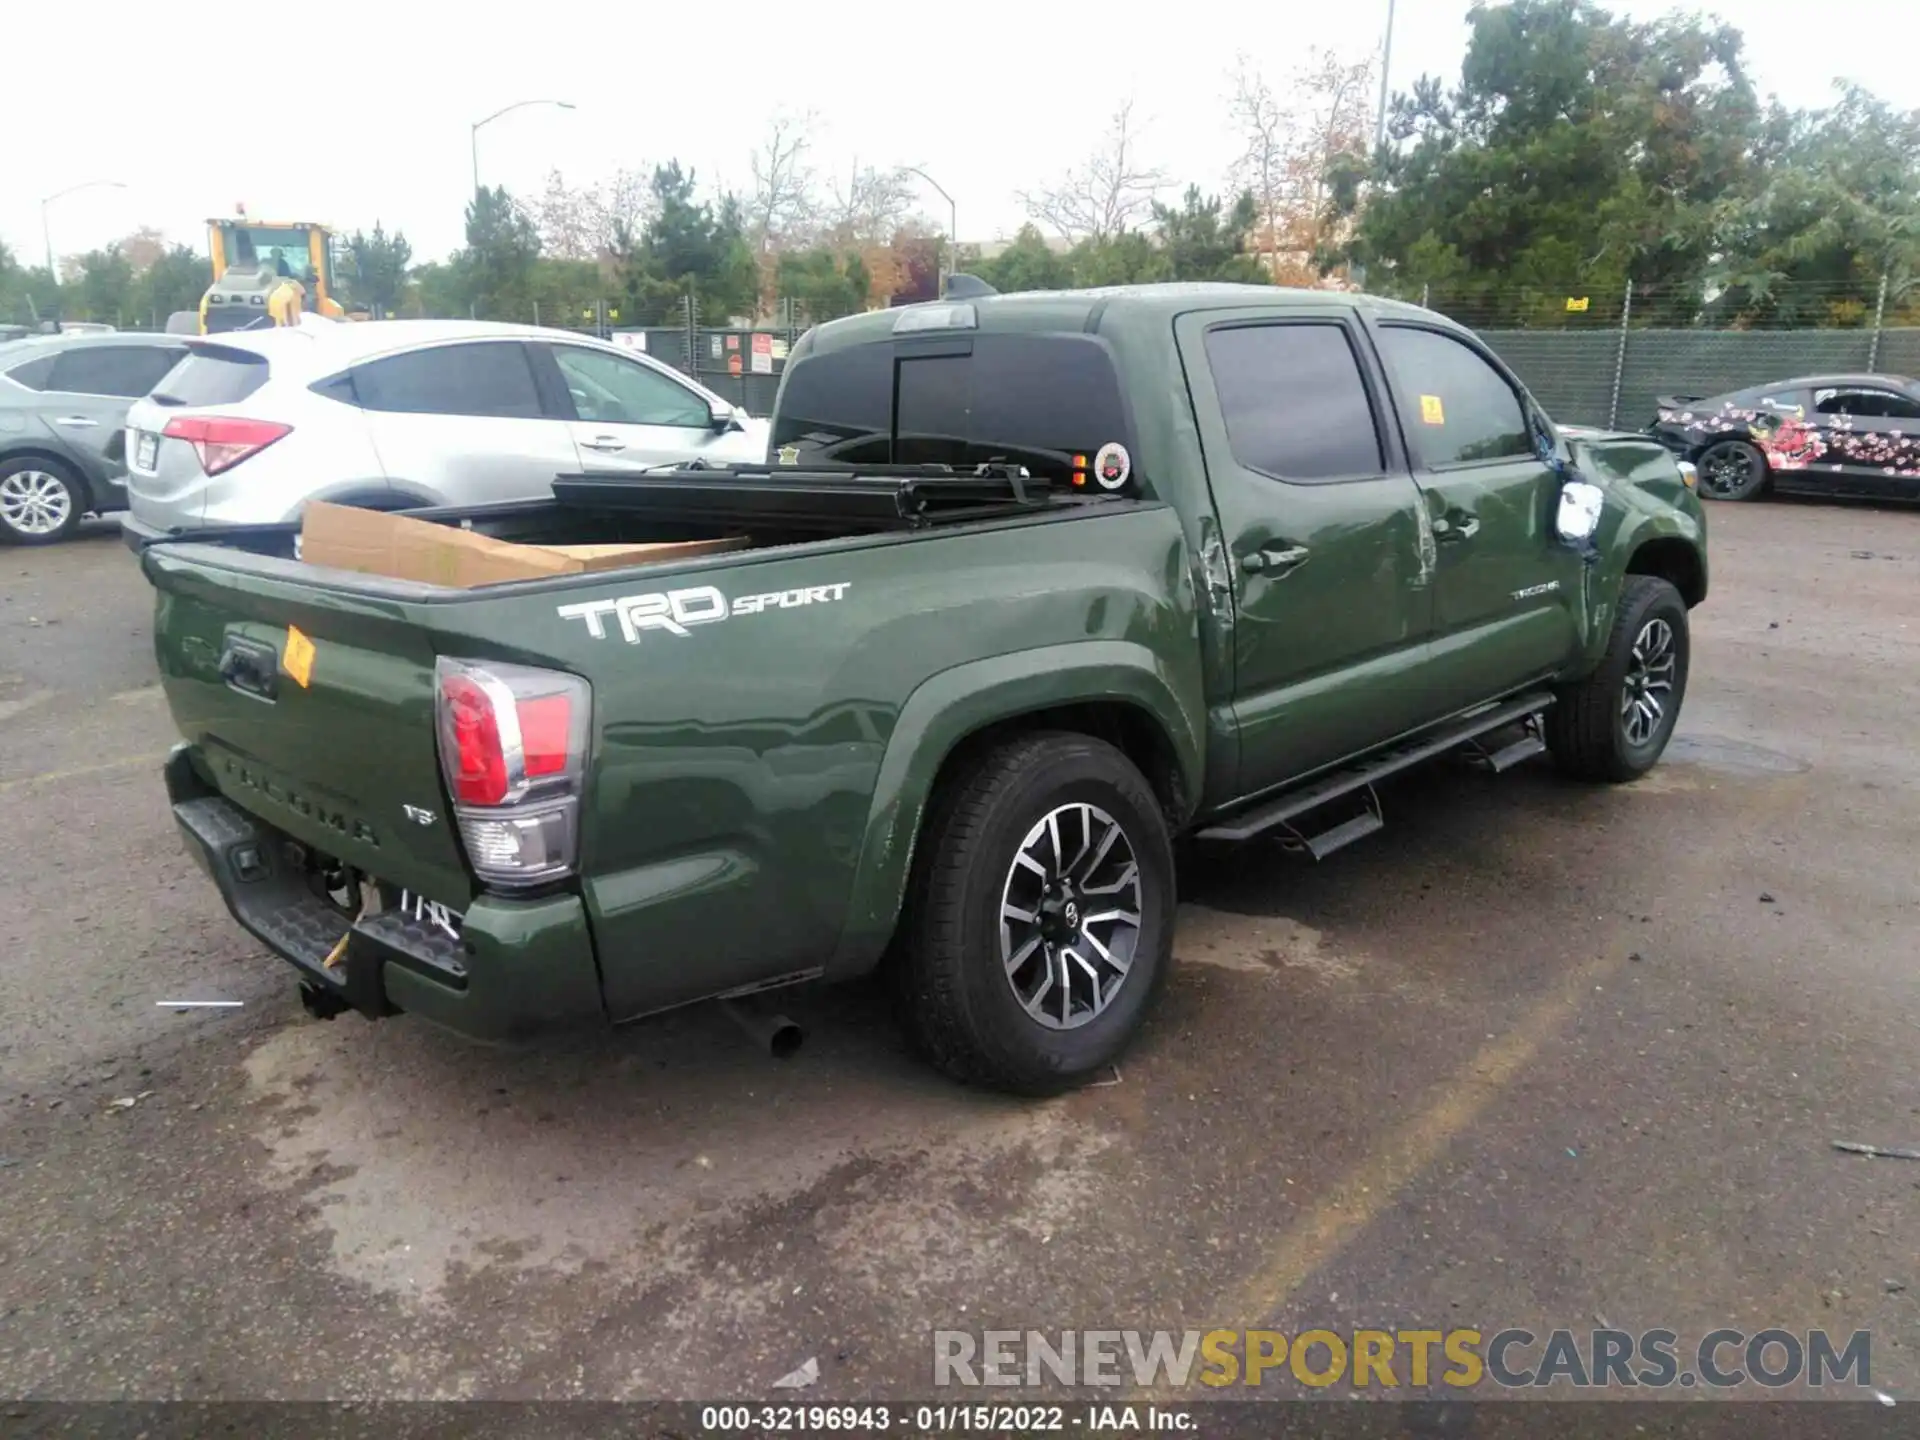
x=126 y=762
x=1406 y=1153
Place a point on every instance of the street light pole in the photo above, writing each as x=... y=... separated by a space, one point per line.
x=1386 y=67
x=46 y=230
x=953 y=219
x=504 y=109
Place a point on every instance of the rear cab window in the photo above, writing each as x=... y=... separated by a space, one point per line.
x=1028 y=398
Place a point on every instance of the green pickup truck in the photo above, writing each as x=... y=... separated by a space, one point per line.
x=1034 y=585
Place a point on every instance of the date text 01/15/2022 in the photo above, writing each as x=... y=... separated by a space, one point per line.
x=945 y=1419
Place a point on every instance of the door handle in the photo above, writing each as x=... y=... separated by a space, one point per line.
x=1449 y=530
x=77 y=422
x=1274 y=561
x=607 y=443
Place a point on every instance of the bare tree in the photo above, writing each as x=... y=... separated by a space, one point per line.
x=870 y=206
x=1261 y=169
x=1103 y=197
x=584 y=222
x=783 y=198
x=1289 y=151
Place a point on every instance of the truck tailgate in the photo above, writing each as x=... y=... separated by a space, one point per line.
x=331 y=741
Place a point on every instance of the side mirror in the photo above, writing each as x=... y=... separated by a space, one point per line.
x=723 y=416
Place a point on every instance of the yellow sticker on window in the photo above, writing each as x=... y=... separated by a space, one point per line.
x=298 y=656
x=1431 y=411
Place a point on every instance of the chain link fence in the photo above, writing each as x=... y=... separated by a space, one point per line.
x=1600 y=359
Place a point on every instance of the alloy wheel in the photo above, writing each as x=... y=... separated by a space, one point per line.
x=1070 y=916
x=1649 y=682
x=33 y=502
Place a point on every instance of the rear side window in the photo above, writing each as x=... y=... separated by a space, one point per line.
x=491 y=379
x=1036 y=400
x=1457 y=409
x=34 y=374
x=122 y=370
x=210 y=376
x=1867 y=404
x=1293 y=401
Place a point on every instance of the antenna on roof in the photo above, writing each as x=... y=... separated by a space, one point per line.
x=967 y=287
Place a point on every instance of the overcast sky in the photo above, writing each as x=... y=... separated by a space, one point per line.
x=350 y=112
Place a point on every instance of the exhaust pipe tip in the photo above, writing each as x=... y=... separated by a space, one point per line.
x=772 y=1032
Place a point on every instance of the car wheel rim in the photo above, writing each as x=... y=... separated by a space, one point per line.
x=33 y=502
x=1070 y=916
x=1726 y=470
x=1649 y=686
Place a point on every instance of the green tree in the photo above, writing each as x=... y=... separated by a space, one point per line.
x=379 y=264
x=688 y=247
x=1838 y=207
x=496 y=267
x=821 y=284
x=1125 y=257
x=1029 y=263
x=1577 y=150
x=103 y=288
x=1203 y=240
x=175 y=280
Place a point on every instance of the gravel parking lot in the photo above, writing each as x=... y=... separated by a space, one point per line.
x=1535 y=1055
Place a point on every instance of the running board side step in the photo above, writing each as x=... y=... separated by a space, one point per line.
x=1277 y=812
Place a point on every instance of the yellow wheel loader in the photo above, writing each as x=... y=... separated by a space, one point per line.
x=264 y=273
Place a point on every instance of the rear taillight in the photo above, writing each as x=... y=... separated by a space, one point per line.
x=222 y=442
x=513 y=747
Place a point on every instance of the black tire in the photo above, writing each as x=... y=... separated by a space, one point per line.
x=1591 y=730
x=29 y=486
x=950 y=978
x=1733 y=470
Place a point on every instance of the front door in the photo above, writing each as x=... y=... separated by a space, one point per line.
x=1506 y=593
x=1322 y=527
x=1870 y=438
x=630 y=415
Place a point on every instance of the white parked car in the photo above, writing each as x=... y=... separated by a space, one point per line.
x=395 y=414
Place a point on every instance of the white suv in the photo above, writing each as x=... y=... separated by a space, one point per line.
x=394 y=414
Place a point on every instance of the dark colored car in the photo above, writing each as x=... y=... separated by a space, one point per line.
x=63 y=411
x=1855 y=435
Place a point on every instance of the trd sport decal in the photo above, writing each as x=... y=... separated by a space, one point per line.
x=677 y=611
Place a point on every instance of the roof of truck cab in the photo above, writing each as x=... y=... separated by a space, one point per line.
x=1099 y=308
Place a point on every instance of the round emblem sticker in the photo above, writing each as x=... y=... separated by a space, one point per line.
x=1112 y=465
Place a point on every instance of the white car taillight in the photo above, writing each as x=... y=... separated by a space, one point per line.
x=513 y=748
x=222 y=442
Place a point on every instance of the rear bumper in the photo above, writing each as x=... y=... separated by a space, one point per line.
x=519 y=968
x=137 y=534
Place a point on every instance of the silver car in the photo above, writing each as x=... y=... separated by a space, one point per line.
x=63 y=403
x=393 y=414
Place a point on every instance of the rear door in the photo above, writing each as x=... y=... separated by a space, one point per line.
x=464 y=423
x=1322 y=525
x=631 y=415
x=1506 y=592
x=1870 y=439
x=88 y=391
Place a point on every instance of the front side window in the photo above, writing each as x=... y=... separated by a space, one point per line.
x=1457 y=409
x=491 y=379
x=1293 y=401
x=615 y=391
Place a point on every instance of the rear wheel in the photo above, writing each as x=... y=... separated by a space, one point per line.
x=1041 y=919
x=1615 y=724
x=41 y=501
x=1733 y=470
